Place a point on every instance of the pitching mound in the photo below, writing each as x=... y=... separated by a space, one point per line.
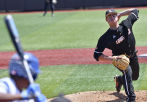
x=104 y=96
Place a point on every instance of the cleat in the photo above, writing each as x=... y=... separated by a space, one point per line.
x=129 y=100
x=118 y=84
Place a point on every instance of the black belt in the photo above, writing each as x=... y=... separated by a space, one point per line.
x=132 y=55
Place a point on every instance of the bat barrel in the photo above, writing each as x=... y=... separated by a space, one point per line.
x=14 y=35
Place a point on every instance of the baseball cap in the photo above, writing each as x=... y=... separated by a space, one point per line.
x=16 y=67
x=111 y=11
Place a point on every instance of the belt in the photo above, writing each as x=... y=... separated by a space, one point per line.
x=132 y=55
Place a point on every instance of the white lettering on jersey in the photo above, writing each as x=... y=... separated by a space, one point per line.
x=119 y=40
x=114 y=36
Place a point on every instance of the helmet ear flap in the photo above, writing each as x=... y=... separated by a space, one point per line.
x=34 y=75
x=17 y=66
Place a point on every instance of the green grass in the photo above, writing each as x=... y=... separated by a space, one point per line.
x=69 y=79
x=71 y=30
x=79 y=29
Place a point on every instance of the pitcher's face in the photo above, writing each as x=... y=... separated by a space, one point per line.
x=112 y=18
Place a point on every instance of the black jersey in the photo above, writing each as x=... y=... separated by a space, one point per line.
x=120 y=41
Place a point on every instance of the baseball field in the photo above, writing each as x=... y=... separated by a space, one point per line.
x=64 y=45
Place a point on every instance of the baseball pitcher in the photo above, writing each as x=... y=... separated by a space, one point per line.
x=120 y=39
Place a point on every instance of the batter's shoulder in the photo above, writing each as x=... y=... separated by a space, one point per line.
x=6 y=79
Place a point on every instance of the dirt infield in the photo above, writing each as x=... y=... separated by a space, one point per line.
x=79 y=56
x=65 y=56
x=104 y=96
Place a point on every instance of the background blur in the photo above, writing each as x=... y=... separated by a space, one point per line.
x=38 y=5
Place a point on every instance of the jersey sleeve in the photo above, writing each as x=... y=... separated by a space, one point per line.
x=99 y=48
x=131 y=19
x=3 y=87
x=133 y=16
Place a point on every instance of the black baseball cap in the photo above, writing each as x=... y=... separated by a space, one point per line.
x=111 y=11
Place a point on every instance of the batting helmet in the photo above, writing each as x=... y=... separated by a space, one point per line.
x=16 y=67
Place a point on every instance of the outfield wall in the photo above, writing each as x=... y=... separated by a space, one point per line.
x=38 y=5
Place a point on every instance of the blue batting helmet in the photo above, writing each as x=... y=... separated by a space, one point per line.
x=16 y=67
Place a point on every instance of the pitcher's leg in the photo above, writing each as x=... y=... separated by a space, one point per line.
x=128 y=85
x=135 y=67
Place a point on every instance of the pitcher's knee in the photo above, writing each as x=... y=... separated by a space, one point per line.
x=135 y=78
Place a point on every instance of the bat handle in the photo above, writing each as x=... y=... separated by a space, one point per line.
x=28 y=71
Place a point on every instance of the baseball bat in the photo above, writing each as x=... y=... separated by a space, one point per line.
x=14 y=35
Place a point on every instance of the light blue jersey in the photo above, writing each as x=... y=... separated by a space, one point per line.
x=7 y=86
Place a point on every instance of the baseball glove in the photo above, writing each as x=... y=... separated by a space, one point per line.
x=121 y=62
